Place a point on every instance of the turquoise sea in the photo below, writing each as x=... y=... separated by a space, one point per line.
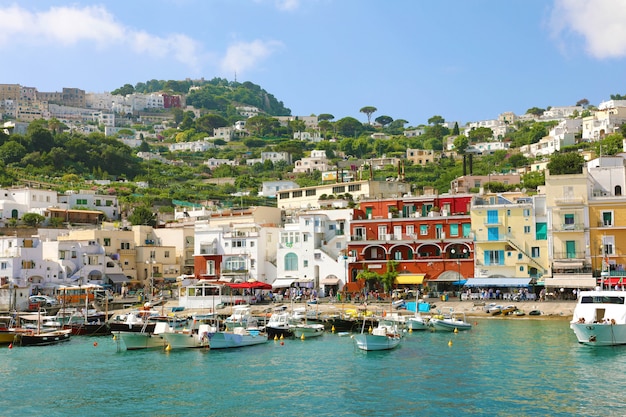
x=514 y=367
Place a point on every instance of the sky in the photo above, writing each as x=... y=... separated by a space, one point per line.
x=463 y=60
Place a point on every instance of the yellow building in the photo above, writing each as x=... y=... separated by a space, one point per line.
x=510 y=233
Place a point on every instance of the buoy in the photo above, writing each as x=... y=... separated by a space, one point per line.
x=333 y=329
x=410 y=330
x=370 y=329
x=282 y=343
x=168 y=348
x=450 y=342
x=275 y=337
x=114 y=337
x=302 y=337
x=456 y=330
x=10 y=345
x=282 y=337
x=95 y=344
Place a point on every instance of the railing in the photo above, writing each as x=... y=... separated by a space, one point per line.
x=569 y=200
x=569 y=255
x=567 y=227
x=605 y=224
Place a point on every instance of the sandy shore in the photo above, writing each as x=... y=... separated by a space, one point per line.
x=549 y=309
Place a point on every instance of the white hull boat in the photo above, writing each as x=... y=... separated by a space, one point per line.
x=196 y=336
x=453 y=323
x=600 y=318
x=239 y=337
x=145 y=339
x=417 y=323
x=385 y=336
x=307 y=330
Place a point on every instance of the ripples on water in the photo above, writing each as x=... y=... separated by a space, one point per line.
x=511 y=367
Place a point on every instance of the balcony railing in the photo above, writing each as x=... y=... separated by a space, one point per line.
x=569 y=227
x=569 y=255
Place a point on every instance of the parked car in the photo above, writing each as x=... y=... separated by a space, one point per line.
x=43 y=300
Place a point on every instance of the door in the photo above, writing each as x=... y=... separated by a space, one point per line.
x=570 y=249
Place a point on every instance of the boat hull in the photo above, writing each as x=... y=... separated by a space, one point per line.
x=88 y=329
x=273 y=332
x=308 y=330
x=141 y=340
x=369 y=342
x=135 y=328
x=447 y=325
x=416 y=323
x=180 y=340
x=600 y=334
x=43 y=339
x=341 y=325
x=227 y=340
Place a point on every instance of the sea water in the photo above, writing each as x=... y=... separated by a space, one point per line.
x=510 y=367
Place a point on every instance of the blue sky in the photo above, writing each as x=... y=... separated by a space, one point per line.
x=465 y=60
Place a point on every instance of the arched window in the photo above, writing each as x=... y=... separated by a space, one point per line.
x=618 y=190
x=291 y=262
x=235 y=263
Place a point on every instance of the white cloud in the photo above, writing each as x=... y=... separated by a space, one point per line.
x=242 y=56
x=287 y=5
x=69 y=26
x=599 y=22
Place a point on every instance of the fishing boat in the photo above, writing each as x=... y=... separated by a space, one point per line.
x=134 y=321
x=455 y=321
x=384 y=336
x=7 y=334
x=600 y=318
x=417 y=321
x=143 y=339
x=197 y=335
x=241 y=317
x=301 y=327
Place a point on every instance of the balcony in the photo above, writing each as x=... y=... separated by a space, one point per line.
x=568 y=227
x=568 y=201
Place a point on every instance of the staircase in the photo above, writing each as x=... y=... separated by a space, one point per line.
x=532 y=260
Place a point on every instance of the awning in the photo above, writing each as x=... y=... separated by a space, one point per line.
x=117 y=278
x=447 y=276
x=586 y=281
x=567 y=265
x=498 y=282
x=409 y=279
x=612 y=280
x=283 y=282
x=330 y=281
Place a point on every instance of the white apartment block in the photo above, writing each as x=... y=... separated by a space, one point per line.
x=272 y=188
x=196 y=146
x=226 y=133
x=486 y=148
x=213 y=163
x=87 y=199
x=605 y=121
x=412 y=133
x=248 y=111
x=317 y=161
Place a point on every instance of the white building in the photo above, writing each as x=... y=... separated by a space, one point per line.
x=272 y=188
x=317 y=161
x=88 y=199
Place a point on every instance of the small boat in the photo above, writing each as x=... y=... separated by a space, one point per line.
x=534 y=313
x=510 y=309
x=384 y=336
x=600 y=318
x=196 y=336
x=455 y=321
x=278 y=325
x=306 y=330
x=417 y=321
x=238 y=337
x=241 y=317
x=150 y=339
x=134 y=321
x=34 y=338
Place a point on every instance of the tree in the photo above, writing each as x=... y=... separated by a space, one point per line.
x=368 y=110
x=142 y=216
x=208 y=122
x=461 y=143
x=390 y=275
x=582 y=102
x=455 y=130
x=383 y=120
x=436 y=120
x=33 y=219
x=535 y=111
x=325 y=116
x=532 y=180
x=518 y=160
x=566 y=163
x=349 y=126
x=480 y=134
x=124 y=91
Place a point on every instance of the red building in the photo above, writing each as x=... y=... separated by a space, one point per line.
x=428 y=238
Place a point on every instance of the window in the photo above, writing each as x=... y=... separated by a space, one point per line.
x=291 y=262
x=81 y=201
x=310 y=193
x=305 y=263
x=609 y=245
x=284 y=195
x=382 y=231
x=354 y=187
x=239 y=243
x=423 y=229
x=4 y=265
x=607 y=218
x=454 y=229
x=527 y=229
x=166 y=254
x=107 y=241
x=252 y=244
x=541 y=231
x=410 y=230
x=339 y=189
x=235 y=263
x=534 y=251
x=494 y=257
x=210 y=267
x=296 y=194
x=526 y=213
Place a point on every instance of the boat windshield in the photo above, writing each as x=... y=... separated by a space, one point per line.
x=601 y=299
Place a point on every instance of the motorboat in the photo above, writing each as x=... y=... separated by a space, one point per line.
x=134 y=321
x=278 y=325
x=306 y=330
x=417 y=322
x=197 y=335
x=149 y=339
x=241 y=317
x=238 y=337
x=600 y=318
x=384 y=336
x=453 y=322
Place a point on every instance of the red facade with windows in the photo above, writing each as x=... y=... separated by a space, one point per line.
x=425 y=235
